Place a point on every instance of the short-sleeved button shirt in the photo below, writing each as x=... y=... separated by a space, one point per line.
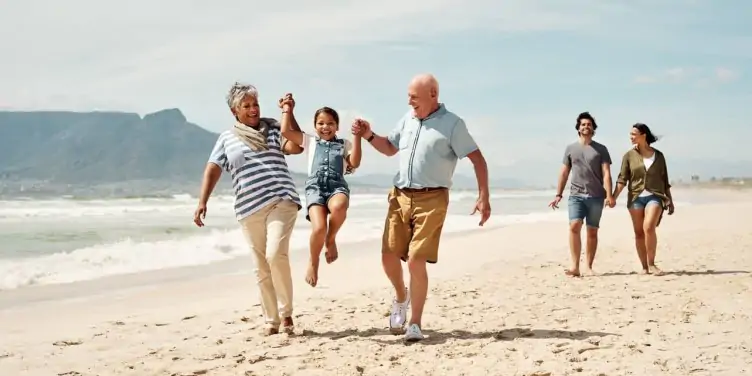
x=428 y=149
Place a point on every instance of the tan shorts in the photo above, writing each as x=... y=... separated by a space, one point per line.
x=414 y=223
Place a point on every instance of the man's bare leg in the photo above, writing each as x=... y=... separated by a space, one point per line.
x=591 y=247
x=393 y=269
x=418 y=289
x=575 y=247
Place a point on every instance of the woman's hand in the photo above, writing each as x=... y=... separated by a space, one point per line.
x=670 y=208
x=199 y=215
x=287 y=103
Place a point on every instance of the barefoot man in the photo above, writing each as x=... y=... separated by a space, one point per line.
x=428 y=141
x=590 y=190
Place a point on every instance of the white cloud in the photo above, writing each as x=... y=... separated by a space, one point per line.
x=86 y=51
x=726 y=74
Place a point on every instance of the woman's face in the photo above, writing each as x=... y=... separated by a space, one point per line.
x=326 y=127
x=636 y=137
x=248 y=111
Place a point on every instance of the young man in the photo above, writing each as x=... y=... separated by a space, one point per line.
x=590 y=190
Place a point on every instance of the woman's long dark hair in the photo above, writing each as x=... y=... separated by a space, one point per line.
x=644 y=129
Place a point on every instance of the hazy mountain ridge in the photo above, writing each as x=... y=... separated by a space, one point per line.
x=102 y=154
x=55 y=153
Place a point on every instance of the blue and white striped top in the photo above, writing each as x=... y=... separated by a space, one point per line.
x=259 y=179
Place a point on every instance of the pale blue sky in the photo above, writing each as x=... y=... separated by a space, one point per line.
x=518 y=71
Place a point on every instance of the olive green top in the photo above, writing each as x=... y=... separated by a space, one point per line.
x=634 y=175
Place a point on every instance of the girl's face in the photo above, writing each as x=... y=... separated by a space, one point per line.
x=325 y=126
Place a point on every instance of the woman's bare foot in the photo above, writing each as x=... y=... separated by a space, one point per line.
x=572 y=273
x=312 y=275
x=270 y=331
x=645 y=271
x=590 y=272
x=288 y=327
x=331 y=251
x=655 y=271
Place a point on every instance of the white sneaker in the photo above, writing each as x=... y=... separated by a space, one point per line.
x=398 y=317
x=413 y=333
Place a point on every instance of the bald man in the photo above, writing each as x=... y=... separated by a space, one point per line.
x=428 y=140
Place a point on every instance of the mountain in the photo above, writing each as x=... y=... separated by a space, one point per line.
x=74 y=153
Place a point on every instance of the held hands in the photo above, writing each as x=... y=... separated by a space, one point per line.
x=287 y=103
x=361 y=128
x=610 y=202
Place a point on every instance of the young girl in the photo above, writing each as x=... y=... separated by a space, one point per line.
x=327 y=192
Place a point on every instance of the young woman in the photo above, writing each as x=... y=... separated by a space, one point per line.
x=644 y=173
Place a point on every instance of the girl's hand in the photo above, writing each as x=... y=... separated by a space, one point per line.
x=287 y=103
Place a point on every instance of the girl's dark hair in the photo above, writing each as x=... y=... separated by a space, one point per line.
x=644 y=129
x=585 y=116
x=326 y=110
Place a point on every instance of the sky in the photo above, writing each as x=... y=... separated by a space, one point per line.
x=518 y=71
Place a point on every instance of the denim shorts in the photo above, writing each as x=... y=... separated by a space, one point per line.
x=588 y=208
x=319 y=191
x=644 y=201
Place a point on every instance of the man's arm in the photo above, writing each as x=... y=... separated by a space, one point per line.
x=380 y=143
x=563 y=177
x=607 y=181
x=481 y=173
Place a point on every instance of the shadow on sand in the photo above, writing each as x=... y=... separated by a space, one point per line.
x=439 y=337
x=683 y=273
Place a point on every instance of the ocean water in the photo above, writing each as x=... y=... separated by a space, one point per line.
x=66 y=240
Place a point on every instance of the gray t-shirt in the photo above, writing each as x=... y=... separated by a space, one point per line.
x=585 y=162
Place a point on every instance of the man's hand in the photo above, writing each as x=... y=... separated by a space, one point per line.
x=287 y=103
x=483 y=206
x=199 y=215
x=610 y=202
x=361 y=127
x=554 y=204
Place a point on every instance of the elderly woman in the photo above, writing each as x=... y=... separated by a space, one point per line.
x=266 y=202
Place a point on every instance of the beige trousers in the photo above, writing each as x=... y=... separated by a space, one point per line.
x=267 y=233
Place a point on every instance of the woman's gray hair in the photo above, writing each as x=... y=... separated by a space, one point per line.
x=238 y=91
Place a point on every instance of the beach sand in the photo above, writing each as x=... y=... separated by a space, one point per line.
x=499 y=304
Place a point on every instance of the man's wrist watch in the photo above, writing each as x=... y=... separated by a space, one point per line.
x=369 y=139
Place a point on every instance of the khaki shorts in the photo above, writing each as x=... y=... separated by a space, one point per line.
x=414 y=223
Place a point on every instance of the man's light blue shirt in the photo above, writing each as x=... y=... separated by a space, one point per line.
x=428 y=149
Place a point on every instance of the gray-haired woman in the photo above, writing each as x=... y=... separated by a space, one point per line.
x=266 y=202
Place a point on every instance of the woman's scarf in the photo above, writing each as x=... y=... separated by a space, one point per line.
x=255 y=138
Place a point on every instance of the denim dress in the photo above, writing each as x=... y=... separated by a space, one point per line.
x=327 y=168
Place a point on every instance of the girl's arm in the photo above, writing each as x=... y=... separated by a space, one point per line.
x=286 y=124
x=355 y=155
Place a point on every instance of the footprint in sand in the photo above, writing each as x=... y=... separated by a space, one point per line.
x=68 y=343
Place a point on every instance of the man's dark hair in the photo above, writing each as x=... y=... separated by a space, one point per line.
x=585 y=116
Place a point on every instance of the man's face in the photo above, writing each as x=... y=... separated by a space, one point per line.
x=421 y=99
x=586 y=127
